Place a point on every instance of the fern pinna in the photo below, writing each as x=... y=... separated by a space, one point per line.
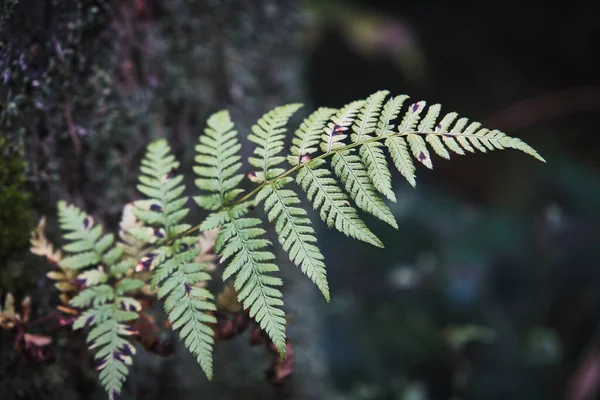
x=337 y=158
x=108 y=308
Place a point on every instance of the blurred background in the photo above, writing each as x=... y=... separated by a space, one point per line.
x=490 y=289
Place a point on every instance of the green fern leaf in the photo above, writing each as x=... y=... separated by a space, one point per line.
x=333 y=204
x=268 y=134
x=333 y=137
x=352 y=172
x=390 y=112
x=93 y=297
x=242 y=242
x=104 y=309
x=371 y=153
x=87 y=245
x=426 y=126
x=218 y=162
x=176 y=275
x=294 y=231
x=112 y=351
x=442 y=129
x=368 y=117
x=159 y=182
x=377 y=168
x=401 y=157
x=308 y=136
x=415 y=141
x=187 y=305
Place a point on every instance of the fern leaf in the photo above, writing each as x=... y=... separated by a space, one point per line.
x=333 y=136
x=333 y=204
x=187 y=305
x=401 y=157
x=419 y=149
x=218 y=162
x=268 y=134
x=411 y=117
x=459 y=133
x=107 y=337
x=294 y=231
x=93 y=297
x=353 y=174
x=426 y=126
x=371 y=153
x=87 y=245
x=377 y=168
x=307 y=137
x=448 y=140
x=159 y=182
x=367 y=118
x=176 y=275
x=390 y=112
x=242 y=242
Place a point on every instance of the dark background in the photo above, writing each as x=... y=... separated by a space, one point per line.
x=490 y=287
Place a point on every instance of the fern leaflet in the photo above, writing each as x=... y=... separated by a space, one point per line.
x=294 y=231
x=333 y=204
x=218 y=162
x=268 y=134
x=240 y=240
x=177 y=275
x=105 y=310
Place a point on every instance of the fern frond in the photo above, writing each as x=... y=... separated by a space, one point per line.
x=87 y=245
x=442 y=137
x=187 y=305
x=367 y=118
x=105 y=309
x=333 y=204
x=294 y=231
x=371 y=153
x=218 y=162
x=352 y=172
x=159 y=182
x=107 y=337
x=390 y=112
x=176 y=275
x=416 y=143
x=241 y=240
x=333 y=136
x=308 y=136
x=268 y=134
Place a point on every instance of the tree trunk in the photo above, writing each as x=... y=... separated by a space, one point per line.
x=86 y=86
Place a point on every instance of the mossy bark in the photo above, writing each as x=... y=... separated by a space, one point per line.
x=88 y=84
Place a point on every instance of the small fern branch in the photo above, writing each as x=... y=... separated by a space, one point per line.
x=308 y=136
x=294 y=231
x=186 y=303
x=240 y=240
x=268 y=134
x=390 y=112
x=353 y=173
x=105 y=308
x=177 y=277
x=88 y=246
x=218 y=162
x=107 y=337
x=371 y=153
x=333 y=204
x=334 y=134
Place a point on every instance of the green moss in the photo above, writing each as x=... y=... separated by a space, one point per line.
x=15 y=214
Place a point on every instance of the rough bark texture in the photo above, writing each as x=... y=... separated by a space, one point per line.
x=85 y=86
